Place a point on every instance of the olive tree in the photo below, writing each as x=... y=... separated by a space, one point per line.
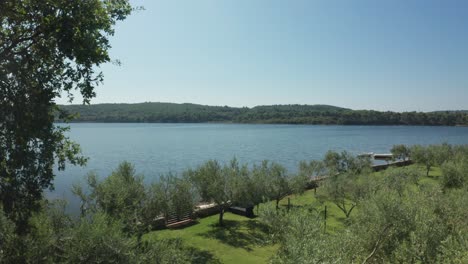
x=271 y=182
x=342 y=186
x=278 y=182
x=341 y=190
x=170 y=195
x=299 y=234
x=310 y=171
x=431 y=155
x=400 y=152
x=312 y=168
x=121 y=196
x=398 y=179
x=335 y=163
x=219 y=184
x=454 y=174
x=259 y=179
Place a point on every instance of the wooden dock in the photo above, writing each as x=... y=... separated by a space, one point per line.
x=377 y=156
x=401 y=163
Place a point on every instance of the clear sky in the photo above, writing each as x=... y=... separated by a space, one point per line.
x=383 y=55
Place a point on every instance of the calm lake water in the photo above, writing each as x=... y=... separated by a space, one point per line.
x=159 y=148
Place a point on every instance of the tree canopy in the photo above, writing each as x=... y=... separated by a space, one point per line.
x=47 y=49
x=223 y=185
x=401 y=216
x=267 y=114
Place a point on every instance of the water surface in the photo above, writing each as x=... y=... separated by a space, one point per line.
x=159 y=148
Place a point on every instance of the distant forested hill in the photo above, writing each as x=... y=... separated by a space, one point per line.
x=272 y=114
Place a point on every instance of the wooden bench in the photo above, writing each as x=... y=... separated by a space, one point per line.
x=176 y=224
x=244 y=211
x=173 y=220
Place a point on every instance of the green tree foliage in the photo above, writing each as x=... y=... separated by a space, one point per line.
x=335 y=162
x=398 y=179
x=400 y=152
x=342 y=190
x=455 y=173
x=48 y=233
x=171 y=194
x=99 y=240
x=400 y=216
x=312 y=168
x=413 y=228
x=454 y=248
x=46 y=48
x=121 y=196
x=424 y=155
x=259 y=176
x=270 y=114
x=164 y=251
x=55 y=237
x=299 y=233
x=307 y=172
x=8 y=238
x=223 y=185
x=390 y=229
x=157 y=201
x=402 y=219
x=276 y=182
x=433 y=155
x=299 y=183
x=422 y=226
x=269 y=181
x=342 y=185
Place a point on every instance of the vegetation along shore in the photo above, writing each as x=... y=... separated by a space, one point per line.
x=355 y=214
x=272 y=114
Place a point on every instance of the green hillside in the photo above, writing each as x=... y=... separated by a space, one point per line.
x=268 y=114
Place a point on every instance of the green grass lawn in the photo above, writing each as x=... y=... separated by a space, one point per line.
x=335 y=217
x=241 y=240
x=244 y=240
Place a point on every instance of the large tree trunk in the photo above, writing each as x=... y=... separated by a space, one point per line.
x=221 y=214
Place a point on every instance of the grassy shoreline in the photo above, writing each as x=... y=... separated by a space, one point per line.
x=245 y=240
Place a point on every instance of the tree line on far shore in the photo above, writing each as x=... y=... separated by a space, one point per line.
x=273 y=114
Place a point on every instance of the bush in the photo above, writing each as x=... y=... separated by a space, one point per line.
x=99 y=239
x=454 y=174
x=8 y=238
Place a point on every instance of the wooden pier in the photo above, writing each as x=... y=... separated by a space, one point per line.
x=377 y=156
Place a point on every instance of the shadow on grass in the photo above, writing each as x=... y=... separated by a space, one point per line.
x=199 y=256
x=240 y=234
x=284 y=207
x=312 y=206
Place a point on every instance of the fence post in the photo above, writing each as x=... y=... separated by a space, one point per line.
x=289 y=203
x=325 y=226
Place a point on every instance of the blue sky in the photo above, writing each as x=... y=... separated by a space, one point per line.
x=383 y=55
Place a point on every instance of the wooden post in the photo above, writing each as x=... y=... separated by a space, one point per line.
x=289 y=203
x=325 y=226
